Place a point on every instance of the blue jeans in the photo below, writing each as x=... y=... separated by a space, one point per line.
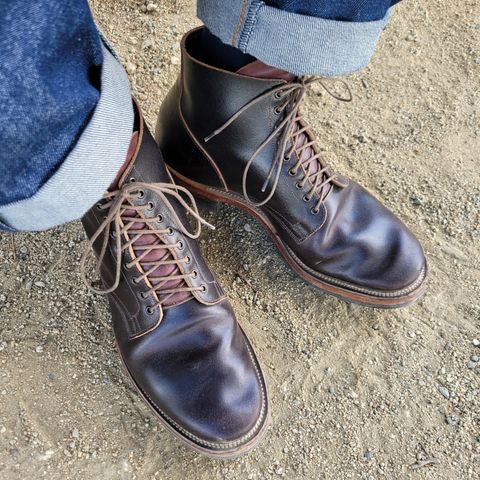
x=341 y=10
x=66 y=114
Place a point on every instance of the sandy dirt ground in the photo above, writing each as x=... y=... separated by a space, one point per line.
x=356 y=393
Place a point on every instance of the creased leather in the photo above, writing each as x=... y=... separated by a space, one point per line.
x=195 y=365
x=353 y=238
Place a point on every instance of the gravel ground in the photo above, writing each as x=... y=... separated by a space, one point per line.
x=356 y=393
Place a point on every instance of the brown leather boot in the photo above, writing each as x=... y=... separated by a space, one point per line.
x=174 y=327
x=239 y=138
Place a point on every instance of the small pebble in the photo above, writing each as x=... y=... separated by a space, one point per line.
x=476 y=342
x=368 y=455
x=444 y=391
x=471 y=364
x=474 y=358
x=39 y=349
x=247 y=228
x=39 y=284
x=452 y=420
x=131 y=68
x=151 y=7
x=75 y=433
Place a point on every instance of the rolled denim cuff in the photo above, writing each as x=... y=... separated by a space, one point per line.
x=299 y=44
x=92 y=164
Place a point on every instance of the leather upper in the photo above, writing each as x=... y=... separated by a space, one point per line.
x=353 y=240
x=191 y=360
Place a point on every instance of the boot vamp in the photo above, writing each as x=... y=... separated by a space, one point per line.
x=200 y=372
x=363 y=243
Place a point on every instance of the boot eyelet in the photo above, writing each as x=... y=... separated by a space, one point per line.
x=194 y=274
x=314 y=211
x=203 y=288
x=170 y=231
x=287 y=158
x=113 y=235
x=278 y=95
x=159 y=218
x=143 y=295
x=150 y=310
x=127 y=267
x=299 y=185
x=188 y=260
x=181 y=245
x=150 y=206
x=141 y=194
x=277 y=111
x=99 y=206
x=135 y=280
x=306 y=198
x=292 y=172
x=132 y=179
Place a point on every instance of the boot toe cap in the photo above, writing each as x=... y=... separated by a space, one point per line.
x=206 y=383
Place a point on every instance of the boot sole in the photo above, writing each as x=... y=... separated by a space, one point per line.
x=329 y=285
x=227 y=454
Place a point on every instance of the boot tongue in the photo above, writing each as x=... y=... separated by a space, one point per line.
x=151 y=239
x=258 y=69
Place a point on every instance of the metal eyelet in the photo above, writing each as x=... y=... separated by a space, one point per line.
x=150 y=206
x=194 y=274
x=132 y=180
x=135 y=280
x=126 y=267
x=299 y=185
x=170 y=231
x=188 y=260
x=141 y=194
x=277 y=111
x=278 y=95
x=181 y=245
x=306 y=198
x=143 y=295
x=292 y=172
x=150 y=310
x=159 y=218
x=203 y=288
x=314 y=211
x=99 y=206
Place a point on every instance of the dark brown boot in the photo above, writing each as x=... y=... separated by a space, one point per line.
x=175 y=330
x=239 y=138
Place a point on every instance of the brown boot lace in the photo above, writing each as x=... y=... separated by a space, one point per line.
x=295 y=137
x=126 y=224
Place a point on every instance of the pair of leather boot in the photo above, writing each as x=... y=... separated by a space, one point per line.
x=237 y=138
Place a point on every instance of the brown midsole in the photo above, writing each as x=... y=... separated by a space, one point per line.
x=212 y=194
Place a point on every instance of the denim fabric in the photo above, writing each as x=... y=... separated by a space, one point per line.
x=300 y=43
x=343 y=10
x=66 y=113
x=49 y=86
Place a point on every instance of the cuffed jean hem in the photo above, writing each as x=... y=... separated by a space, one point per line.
x=300 y=44
x=92 y=165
